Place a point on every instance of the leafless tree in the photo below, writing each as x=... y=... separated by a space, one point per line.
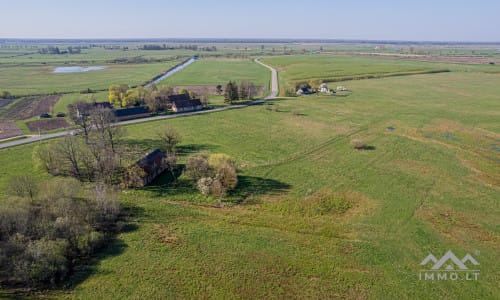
x=68 y=150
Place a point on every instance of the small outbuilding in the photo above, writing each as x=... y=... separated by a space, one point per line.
x=323 y=88
x=144 y=171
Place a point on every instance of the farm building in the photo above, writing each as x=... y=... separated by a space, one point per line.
x=186 y=105
x=131 y=113
x=323 y=88
x=145 y=170
x=153 y=165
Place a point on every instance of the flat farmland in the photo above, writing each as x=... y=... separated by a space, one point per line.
x=331 y=68
x=429 y=183
x=28 y=80
x=220 y=71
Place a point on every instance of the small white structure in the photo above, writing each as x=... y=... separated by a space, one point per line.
x=341 y=88
x=323 y=88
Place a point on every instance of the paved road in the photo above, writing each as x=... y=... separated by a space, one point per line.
x=272 y=95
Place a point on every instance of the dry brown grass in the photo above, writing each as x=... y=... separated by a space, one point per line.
x=458 y=226
x=165 y=234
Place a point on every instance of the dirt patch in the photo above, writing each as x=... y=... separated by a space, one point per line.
x=489 y=179
x=29 y=107
x=46 y=125
x=165 y=234
x=9 y=130
x=457 y=225
x=208 y=89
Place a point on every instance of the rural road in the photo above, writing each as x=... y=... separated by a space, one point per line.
x=272 y=95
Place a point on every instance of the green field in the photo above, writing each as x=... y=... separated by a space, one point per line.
x=429 y=185
x=220 y=71
x=28 y=80
x=333 y=68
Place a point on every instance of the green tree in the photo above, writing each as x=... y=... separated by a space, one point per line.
x=231 y=92
x=116 y=94
x=218 y=89
x=130 y=98
x=5 y=95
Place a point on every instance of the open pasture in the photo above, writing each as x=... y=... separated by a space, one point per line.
x=211 y=72
x=429 y=183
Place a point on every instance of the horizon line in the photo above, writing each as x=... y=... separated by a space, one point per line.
x=252 y=40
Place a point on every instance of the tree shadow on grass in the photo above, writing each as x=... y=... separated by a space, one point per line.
x=167 y=185
x=182 y=150
x=113 y=247
x=249 y=186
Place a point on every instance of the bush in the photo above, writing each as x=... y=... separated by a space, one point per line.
x=358 y=144
x=214 y=175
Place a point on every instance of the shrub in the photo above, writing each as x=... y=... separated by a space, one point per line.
x=358 y=144
x=214 y=175
x=23 y=186
x=43 y=237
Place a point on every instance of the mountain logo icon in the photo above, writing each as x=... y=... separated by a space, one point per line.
x=449 y=262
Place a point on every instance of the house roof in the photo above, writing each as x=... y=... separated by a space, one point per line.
x=148 y=162
x=139 y=110
x=178 y=97
x=102 y=105
x=186 y=103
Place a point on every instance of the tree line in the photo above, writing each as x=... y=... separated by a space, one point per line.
x=56 y=50
x=246 y=90
x=155 y=98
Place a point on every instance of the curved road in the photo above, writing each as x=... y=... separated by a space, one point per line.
x=272 y=95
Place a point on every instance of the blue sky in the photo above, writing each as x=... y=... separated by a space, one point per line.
x=437 y=20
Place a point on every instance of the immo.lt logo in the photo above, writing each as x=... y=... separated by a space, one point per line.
x=449 y=267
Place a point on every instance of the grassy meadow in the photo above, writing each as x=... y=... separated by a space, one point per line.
x=220 y=71
x=334 y=68
x=429 y=183
x=28 y=80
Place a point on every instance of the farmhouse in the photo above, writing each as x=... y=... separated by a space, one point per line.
x=186 y=105
x=131 y=113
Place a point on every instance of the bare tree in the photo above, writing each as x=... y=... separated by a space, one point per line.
x=24 y=186
x=46 y=159
x=170 y=138
x=68 y=150
x=80 y=114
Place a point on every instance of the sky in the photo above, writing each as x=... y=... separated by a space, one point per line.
x=414 y=20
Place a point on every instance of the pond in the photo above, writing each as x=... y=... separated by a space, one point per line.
x=77 y=69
